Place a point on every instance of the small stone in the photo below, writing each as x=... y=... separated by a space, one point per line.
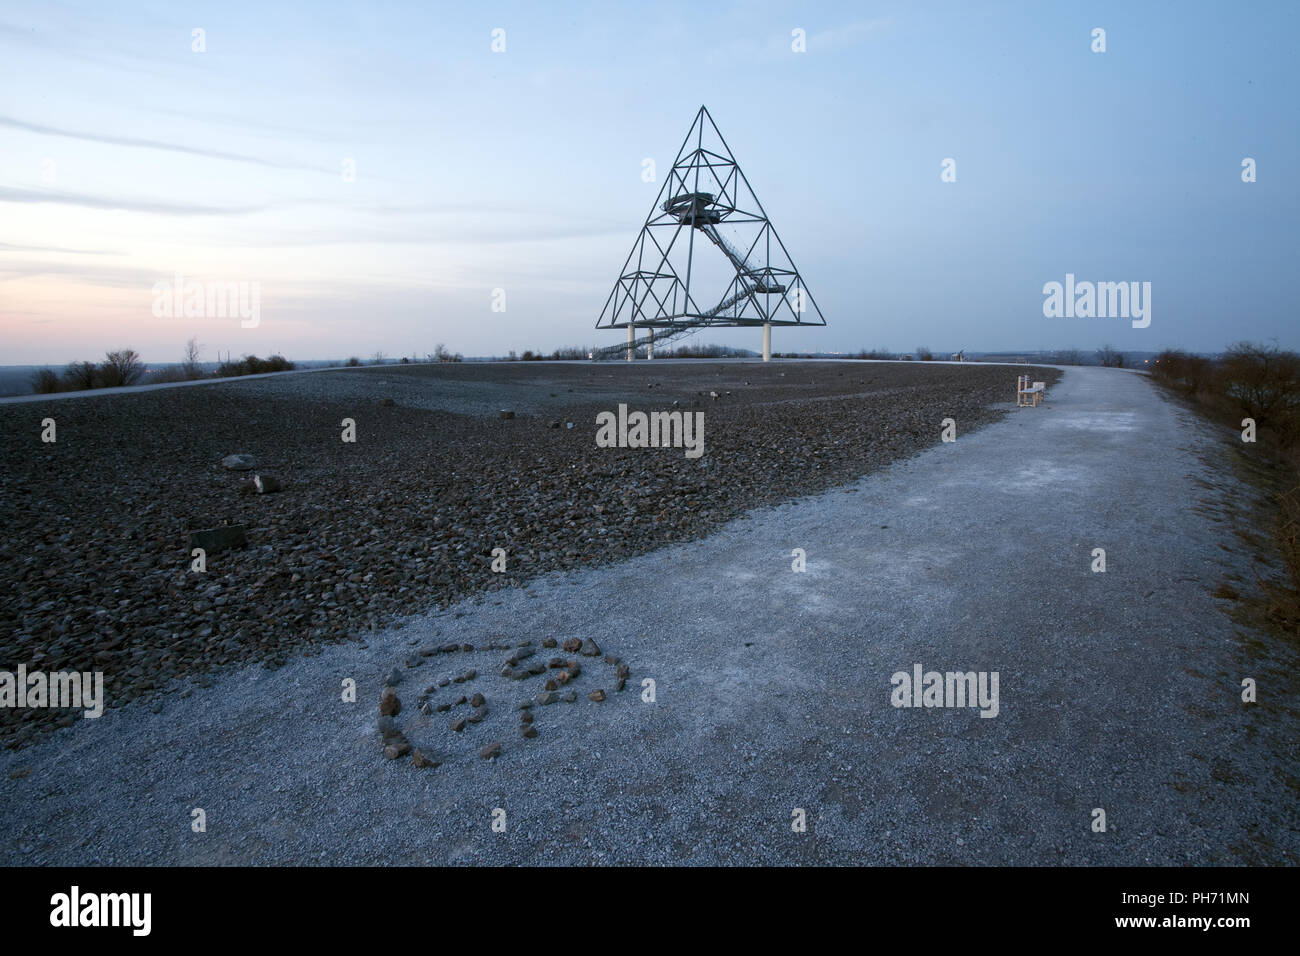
x=444 y=707
x=444 y=681
x=525 y=705
x=477 y=716
x=622 y=682
x=461 y=699
x=613 y=661
x=389 y=704
x=507 y=414
x=562 y=677
x=421 y=761
x=557 y=662
x=449 y=648
x=623 y=671
x=589 y=648
x=426 y=708
x=521 y=654
x=572 y=644
x=549 y=697
x=490 y=752
x=476 y=701
x=398 y=748
x=596 y=695
x=551 y=685
x=239 y=462
x=528 y=730
x=428 y=650
x=526 y=717
x=266 y=484
x=574 y=668
x=524 y=644
x=468 y=675
x=458 y=724
x=550 y=642
x=467 y=647
x=393 y=677
x=569 y=696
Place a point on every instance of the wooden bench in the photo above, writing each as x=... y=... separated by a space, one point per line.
x=1029 y=395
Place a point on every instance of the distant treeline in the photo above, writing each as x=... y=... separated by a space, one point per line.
x=124 y=367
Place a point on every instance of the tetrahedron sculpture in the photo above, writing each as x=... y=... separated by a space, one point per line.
x=707 y=255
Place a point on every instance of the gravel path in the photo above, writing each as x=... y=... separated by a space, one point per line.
x=1117 y=690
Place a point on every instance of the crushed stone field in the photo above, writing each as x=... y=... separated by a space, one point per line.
x=406 y=517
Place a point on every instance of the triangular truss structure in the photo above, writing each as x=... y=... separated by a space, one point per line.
x=740 y=275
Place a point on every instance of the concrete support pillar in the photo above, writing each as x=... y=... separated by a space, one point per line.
x=631 y=351
x=767 y=341
x=650 y=346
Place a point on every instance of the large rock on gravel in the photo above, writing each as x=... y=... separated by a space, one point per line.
x=239 y=462
x=227 y=537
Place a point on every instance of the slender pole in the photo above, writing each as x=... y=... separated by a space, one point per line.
x=631 y=350
x=767 y=341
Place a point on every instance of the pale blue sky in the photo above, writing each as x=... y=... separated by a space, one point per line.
x=126 y=157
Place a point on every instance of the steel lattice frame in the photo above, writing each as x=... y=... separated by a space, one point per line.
x=651 y=292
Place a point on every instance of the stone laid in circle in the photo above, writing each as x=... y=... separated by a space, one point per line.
x=490 y=752
x=574 y=668
x=528 y=730
x=444 y=707
x=521 y=654
x=526 y=717
x=596 y=695
x=557 y=662
x=467 y=647
x=460 y=700
x=399 y=747
x=239 y=462
x=468 y=675
x=393 y=677
x=389 y=703
x=444 y=681
x=589 y=648
x=550 y=642
x=420 y=760
x=477 y=700
x=622 y=682
x=572 y=644
x=449 y=648
x=613 y=661
x=477 y=716
x=552 y=685
x=537 y=667
x=623 y=671
x=547 y=697
x=458 y=724
x=426 y=708
x=569 y=696
x=525 y=705
x=562 y=677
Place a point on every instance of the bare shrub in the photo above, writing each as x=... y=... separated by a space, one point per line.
x=46 y=381
x=120 y=368
x=79 y=376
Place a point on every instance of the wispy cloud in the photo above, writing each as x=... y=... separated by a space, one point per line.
x=22 y=247
x=9 y=194
x=141 y=143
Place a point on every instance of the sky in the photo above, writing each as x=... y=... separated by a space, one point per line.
x=377 y=175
